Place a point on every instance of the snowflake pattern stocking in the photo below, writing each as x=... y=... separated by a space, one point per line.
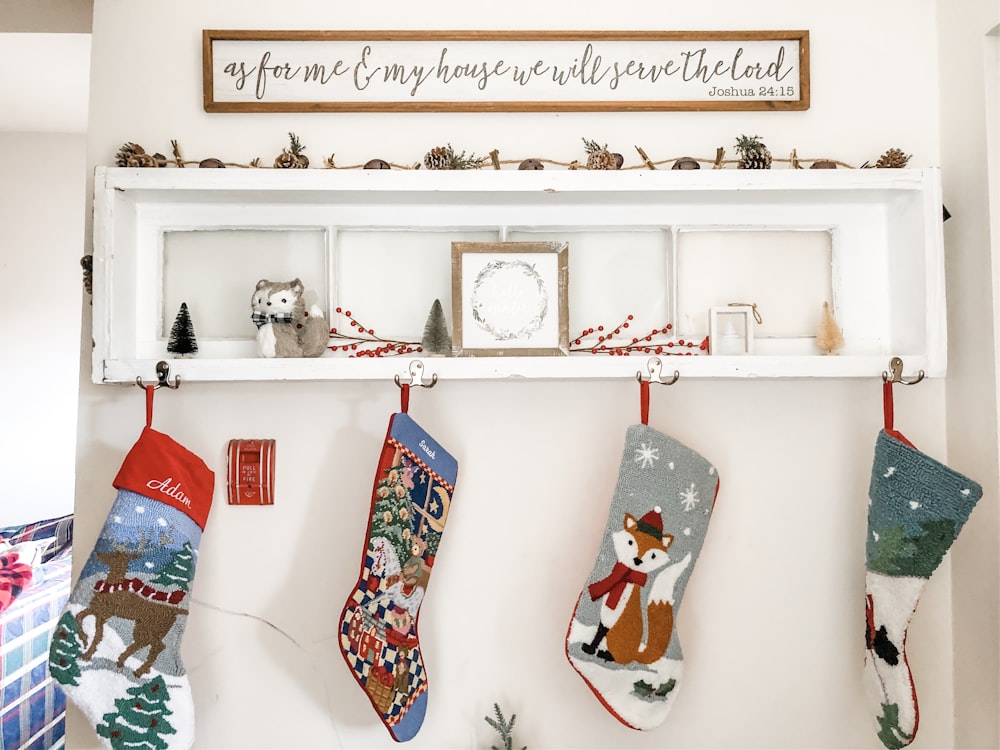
x=116 y=648
x=916 y=509
x=414 y=483
x=622 y=638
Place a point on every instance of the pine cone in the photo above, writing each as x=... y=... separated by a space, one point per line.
x=141 y=160
x=894 y=158
x=293 y=156
x=87 y=263
x=288 y=160
x=444 y=157
x=753 y=153
x=438 y=157
x=129 y=151
x=599 y=157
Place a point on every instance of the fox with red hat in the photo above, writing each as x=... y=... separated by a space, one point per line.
x=641 y=550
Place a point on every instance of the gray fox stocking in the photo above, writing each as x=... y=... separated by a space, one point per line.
x=622 y=638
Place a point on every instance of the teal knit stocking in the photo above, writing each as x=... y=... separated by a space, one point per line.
x=917 y=508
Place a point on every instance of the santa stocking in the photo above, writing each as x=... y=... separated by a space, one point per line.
x=917 y=508
x=622 y=638
x=414 y=483
x=116 y=648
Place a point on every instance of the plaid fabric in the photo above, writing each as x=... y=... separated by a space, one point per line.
x=15 y=577
x=59 y=530
x=32 y=705
x=260 y=318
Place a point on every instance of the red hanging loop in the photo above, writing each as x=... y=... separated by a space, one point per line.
x=887 y=412
x=887 y=405
x=404 y=397
x=149 y=404
x=644 y=400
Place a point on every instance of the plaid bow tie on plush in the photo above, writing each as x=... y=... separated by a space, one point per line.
x=260 y=318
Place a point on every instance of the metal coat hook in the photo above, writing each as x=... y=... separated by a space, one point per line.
x=895 y=374
x=655 y=366
x=162 y=372
x=417 y=376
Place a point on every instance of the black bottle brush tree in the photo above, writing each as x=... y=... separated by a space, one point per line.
x=182 y=342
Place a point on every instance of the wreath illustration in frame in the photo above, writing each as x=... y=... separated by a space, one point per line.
x=510 y=298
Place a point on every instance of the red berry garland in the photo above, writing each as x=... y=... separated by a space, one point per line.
x=366 y=337
x=605 y=343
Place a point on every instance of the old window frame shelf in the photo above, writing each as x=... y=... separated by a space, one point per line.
x=887 y=255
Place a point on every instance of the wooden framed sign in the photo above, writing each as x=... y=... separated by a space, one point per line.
x=504 y=71
x=510 y=298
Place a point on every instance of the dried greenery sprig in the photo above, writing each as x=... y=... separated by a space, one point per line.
x=504 y=728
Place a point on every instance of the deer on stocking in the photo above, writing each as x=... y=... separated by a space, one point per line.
x=152 y=610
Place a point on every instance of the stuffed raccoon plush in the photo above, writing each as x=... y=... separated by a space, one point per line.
x=284 y=327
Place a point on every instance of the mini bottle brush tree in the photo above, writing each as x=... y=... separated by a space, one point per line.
x=436 y=341
x=182 y=343
x=829 y=337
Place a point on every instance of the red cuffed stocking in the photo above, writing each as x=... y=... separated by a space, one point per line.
x=116 y=648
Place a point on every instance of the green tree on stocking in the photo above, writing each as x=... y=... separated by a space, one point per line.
x=64 y=656
x=392 y=516
x=140 y=720
x=433 y=540
x=180 y=570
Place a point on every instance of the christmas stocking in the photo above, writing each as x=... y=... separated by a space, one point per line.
x=414 y=483
x=622 y=638
x=917 y=508
x=115 y=650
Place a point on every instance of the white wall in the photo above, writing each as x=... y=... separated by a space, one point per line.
x=42 y=189
x=971 y=391
x=772 y=622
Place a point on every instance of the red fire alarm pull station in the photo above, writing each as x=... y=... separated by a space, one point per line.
x=251 y=472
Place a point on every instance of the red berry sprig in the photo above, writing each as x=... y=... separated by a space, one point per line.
x=360 y=345
x=607 y=343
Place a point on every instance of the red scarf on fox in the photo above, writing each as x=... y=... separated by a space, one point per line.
x=614 y=584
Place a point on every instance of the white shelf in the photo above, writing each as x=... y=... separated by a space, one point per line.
x=887 y=257
x=511 y=368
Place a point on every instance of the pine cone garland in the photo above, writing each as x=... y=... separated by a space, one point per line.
x=894 y=158
x=753 y=153
x=598 y=157
x=444 y=157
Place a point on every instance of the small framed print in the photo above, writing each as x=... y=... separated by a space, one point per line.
x=731 y=330
x=510 y=298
